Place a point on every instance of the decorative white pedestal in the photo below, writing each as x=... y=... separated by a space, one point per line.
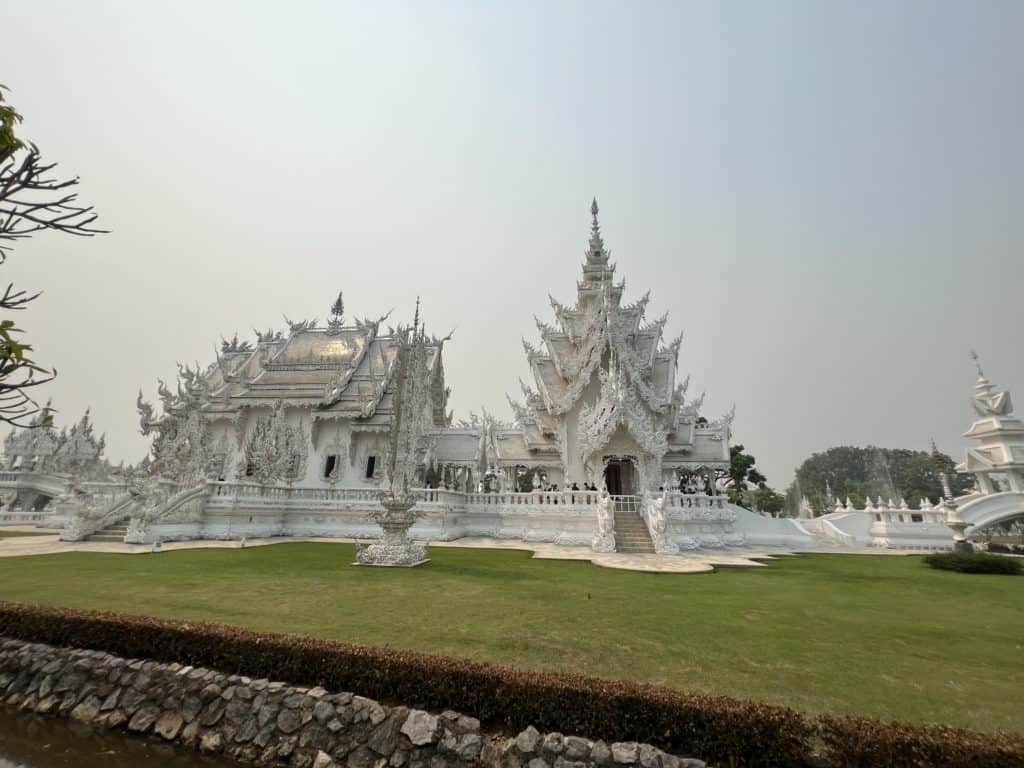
x=395 y=549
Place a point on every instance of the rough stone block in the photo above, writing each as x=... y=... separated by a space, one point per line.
x=211 y=741
x=600 y=754
x=625 y=752
x=143 y=720
x=421 y=727
x=169 y=725
x=289 y=721
x=576 y=748
x=649 y=756
x=528 y=740
x=87 y=711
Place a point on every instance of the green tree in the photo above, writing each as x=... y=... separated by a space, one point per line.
x=32 y=199
x=871 y=471
x=742 y=470
x=769 y=500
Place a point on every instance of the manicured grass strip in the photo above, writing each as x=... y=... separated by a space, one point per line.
x=15 y=534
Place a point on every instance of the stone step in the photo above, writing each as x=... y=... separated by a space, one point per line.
x=635 y=549
x=631 y=534
x=104 y=537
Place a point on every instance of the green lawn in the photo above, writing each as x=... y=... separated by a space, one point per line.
x=11 y=534
x=875 y=635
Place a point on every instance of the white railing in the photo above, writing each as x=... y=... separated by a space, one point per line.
x=426 y=495
x=626 y=503
x=255 y=490
x=533 y=498
x=178 y=500
x=81 y=525
x=829 y=530
x=680 y=500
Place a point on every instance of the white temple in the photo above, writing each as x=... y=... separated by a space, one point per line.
x=298 y=434
x=42 y=468
x=287 y=436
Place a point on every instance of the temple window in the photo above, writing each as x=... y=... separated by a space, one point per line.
x=371 y=465
x=250 y=470
x=329 y=465
x=917 y=518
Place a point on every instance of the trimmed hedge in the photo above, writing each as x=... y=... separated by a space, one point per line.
x=715 y=728
x=852 y=742
x=1010 y=549
x=974 y=562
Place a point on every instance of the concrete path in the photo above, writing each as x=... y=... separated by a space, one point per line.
x=699 y=561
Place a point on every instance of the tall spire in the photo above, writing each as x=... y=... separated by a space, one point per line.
x=416 y=319
x=977 y=364
x=596 y=252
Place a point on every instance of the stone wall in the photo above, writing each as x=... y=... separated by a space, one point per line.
x=272 y=723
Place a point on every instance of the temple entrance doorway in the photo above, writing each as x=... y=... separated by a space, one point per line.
x=618 y=477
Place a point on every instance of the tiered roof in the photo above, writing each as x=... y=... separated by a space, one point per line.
x=601 y=336
x=77 y=450
x=341 y=371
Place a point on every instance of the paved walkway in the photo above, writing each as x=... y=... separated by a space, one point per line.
x=699 y=561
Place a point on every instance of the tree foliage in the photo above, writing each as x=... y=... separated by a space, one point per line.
x=768 y=500
x=32 y=199
x=876 y=472
x=742 y=471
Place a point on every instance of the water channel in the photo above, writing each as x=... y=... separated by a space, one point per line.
x=34 y=741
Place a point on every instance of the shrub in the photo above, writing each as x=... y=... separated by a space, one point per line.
x=852 y=742
x=716 y=728
x=1011 y=549
x=974 y=562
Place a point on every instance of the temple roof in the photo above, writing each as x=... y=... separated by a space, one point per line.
x=341 y=371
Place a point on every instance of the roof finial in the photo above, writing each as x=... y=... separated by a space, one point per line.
x=596 y=249
x=974 y=357
x=416 y=319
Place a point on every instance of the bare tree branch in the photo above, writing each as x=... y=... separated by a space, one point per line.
x=32 y=199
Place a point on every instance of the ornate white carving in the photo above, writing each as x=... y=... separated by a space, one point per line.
x=604 y=538
x=275 y=450
x=617 y=405
x=657 y=524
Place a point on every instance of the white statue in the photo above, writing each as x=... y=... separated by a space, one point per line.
x=658 y=523
x=604 y=538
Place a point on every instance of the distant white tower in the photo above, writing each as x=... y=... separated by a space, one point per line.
x=1000 y=453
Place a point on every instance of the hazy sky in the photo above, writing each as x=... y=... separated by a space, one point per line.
x=826 y=197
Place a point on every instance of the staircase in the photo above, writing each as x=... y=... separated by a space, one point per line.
x=115 y=532
x=631 y=534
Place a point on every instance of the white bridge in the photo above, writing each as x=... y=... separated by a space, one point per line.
x=984 y=510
